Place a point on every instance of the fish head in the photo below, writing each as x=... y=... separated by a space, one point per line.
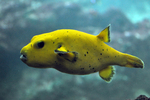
x=39 y=52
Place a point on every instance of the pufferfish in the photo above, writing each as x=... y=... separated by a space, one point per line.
x=75 y=52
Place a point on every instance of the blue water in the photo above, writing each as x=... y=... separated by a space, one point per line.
x=20 y=20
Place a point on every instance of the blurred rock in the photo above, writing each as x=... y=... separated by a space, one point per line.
x=118 y=20
x=142 y=97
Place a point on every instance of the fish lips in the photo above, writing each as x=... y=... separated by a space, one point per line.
x=23 y=57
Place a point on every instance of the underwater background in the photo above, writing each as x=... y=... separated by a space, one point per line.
x=20 y=20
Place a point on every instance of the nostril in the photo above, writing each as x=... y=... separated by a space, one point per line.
x=23 y=57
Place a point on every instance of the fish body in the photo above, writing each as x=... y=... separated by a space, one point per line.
x=75 y=52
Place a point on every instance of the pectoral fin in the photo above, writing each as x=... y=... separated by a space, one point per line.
x=107 y=73
x=66 y=54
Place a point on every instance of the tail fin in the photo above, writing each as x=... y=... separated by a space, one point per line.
x=133 y=62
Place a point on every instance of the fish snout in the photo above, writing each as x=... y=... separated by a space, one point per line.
x=23 y=57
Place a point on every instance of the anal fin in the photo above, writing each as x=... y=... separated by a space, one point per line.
x=107 y=73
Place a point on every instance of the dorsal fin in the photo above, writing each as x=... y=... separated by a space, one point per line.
x=104 y=34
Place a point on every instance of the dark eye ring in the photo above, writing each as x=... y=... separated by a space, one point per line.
x=40 y=44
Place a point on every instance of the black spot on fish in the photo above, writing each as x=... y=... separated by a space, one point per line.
x=87 y=52
x=89 y=65
x=115 y=56
x=82 y=68
x=55 y=62
x=102 y=49
x=108 y=56
x=98 y=58
x=135 y=64
x=53 y=42
x=94 y=70
x=74 y=60
x=84 y=54
x=107 y=49
x=100 y=53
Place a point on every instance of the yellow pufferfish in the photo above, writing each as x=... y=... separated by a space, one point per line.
x=75 y=52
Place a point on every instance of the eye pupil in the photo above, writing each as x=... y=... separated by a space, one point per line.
x=40 y=44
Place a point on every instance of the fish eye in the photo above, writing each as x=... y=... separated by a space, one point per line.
x=40 y=44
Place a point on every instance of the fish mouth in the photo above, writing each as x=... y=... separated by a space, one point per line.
x=23 y=57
